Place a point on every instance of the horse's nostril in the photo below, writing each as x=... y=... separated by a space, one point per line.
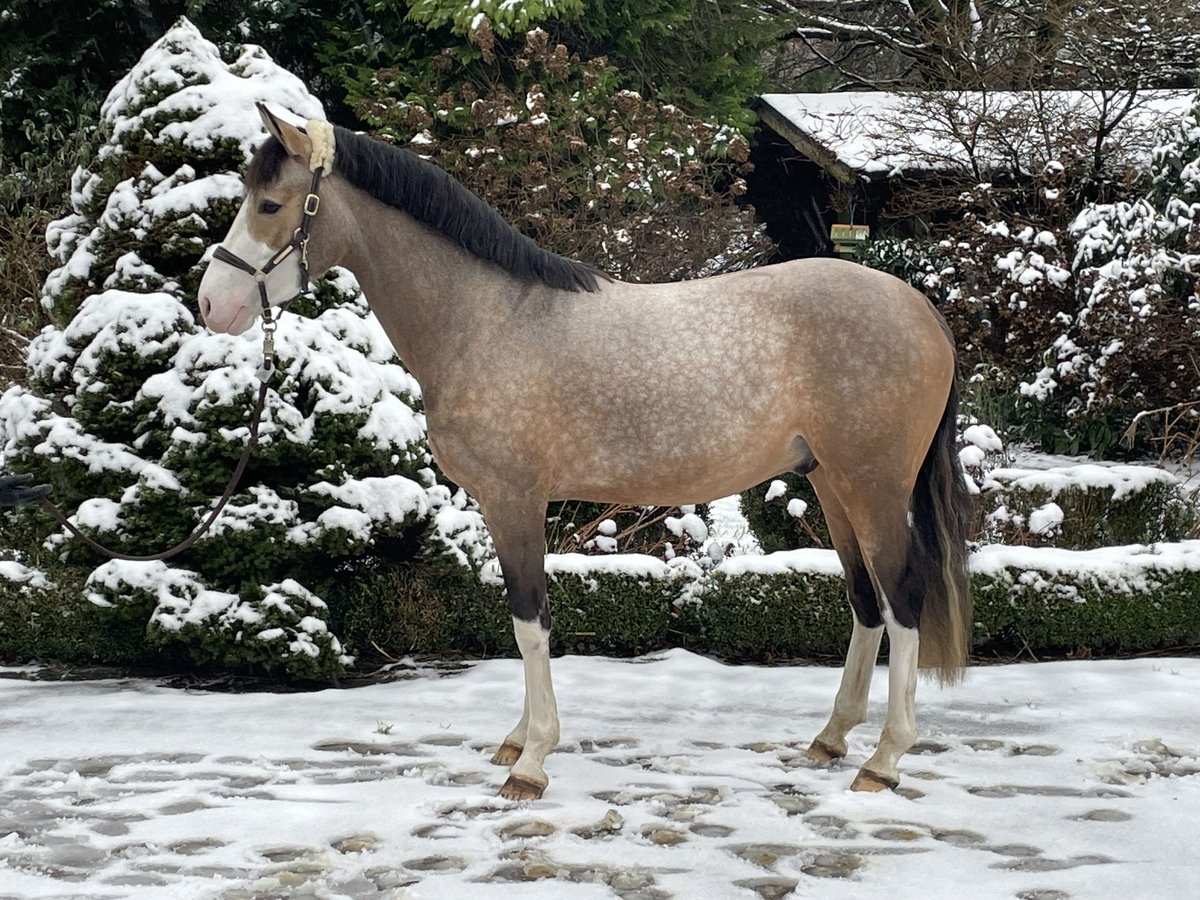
x=205 y=307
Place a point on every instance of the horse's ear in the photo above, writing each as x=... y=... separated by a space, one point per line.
x=295 y=140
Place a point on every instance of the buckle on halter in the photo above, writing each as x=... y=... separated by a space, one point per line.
x=311 y=204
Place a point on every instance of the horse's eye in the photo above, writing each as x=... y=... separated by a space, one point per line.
x=268 y=207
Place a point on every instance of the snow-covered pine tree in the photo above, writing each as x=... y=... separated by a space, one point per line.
x=136 y=414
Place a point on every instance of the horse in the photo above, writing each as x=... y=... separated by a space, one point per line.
x=819 y=366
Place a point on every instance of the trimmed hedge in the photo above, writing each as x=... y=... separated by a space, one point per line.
x=1102 y=506
x=792 y=605
x=1028 y=601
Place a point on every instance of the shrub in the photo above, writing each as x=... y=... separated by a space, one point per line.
x=792 y=605
x=588 y=169
x=770 y=511
x=1085 y=507
x=1123 y=348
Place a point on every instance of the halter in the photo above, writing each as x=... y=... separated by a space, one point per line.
x=299 y=241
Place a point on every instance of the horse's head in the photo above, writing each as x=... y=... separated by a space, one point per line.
x=268 y=255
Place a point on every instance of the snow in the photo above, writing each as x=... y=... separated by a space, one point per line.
x=181 y=595
x=728 y=528
x=628 y=565
x=1046 y=520
x=199 y=89
x=877 y=133
x=392 y=499
x=11 y=570
x=675 y=773
x=1121 y=480
x=1122 y=568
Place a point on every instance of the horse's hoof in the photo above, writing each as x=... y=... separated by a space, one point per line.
x=819 y=751
x=518 y=788
x=507 y=754
x=866 y=780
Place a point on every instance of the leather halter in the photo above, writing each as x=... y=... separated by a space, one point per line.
x=299 y=241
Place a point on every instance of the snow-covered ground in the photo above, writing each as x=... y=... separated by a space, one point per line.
x=677 y=777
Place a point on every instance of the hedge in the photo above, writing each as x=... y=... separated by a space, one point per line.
x=1100 y=506
x=780 y=606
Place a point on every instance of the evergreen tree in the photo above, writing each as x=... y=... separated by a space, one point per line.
x=709 y=57
x=136 y=414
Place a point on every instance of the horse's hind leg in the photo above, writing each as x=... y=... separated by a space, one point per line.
x=882 y=529
x=850 y=705
x=517 y=532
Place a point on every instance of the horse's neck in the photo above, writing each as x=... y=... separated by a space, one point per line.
x=431 y=296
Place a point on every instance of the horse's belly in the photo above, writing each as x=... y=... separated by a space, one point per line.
x=674 y=466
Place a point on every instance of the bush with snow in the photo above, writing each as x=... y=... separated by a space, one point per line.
x=784 y=514
x=1076 y=315
x=589 y=169
x=1084 y=507
x=136 y=414
x=1129 y=345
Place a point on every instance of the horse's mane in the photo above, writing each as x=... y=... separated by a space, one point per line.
x=402 y=179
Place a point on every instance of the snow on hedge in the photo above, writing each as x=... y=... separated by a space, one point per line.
x=182 y=92
x=1120 y=481
x=1138 y=568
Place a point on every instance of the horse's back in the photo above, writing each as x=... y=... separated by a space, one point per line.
x=684 y=391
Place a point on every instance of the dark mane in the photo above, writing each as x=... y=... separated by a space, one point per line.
x=402 y=179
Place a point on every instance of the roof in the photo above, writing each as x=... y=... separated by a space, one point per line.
x=877 y=134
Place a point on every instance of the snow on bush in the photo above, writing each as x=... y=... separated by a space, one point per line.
x=587 y=168
x=1129 y=346
x=1084 y=506
x=136 y=414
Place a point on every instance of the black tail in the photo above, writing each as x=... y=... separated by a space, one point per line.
x=941 y=509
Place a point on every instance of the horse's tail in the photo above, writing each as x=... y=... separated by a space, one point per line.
x=941 y=510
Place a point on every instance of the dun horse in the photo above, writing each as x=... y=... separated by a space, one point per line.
x=542 y=380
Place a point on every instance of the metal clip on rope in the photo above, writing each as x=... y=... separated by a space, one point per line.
x=267 y=370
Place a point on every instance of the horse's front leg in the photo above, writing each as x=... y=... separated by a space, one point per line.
x=518 y=532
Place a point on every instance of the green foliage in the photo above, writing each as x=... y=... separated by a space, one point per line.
x=432 y=605
x=279 y=627
x=771 y=618
x=920 y=263
x=776 y=528
x=1093 y=516
x=707 y=56
x=32 y=194
x=57 y=61
x=1055 y=615
x=54 y=622
x=586 y=168
x=137 y=415
x=504 y=17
